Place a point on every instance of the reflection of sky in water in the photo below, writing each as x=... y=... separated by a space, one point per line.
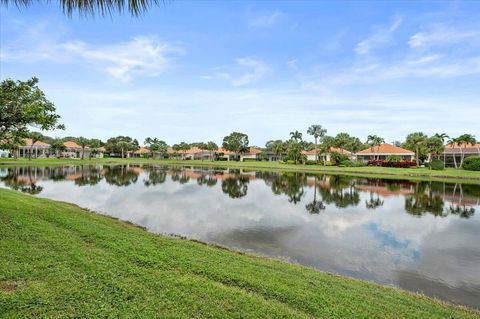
x=437 y=255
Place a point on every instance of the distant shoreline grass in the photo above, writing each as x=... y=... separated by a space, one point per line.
x=450 y=175
x=58 y=260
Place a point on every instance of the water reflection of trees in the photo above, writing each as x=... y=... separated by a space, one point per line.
x=235 y=187
x=420 y=198
x=120 y=175
x=341 y=192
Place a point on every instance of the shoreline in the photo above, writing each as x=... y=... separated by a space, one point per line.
x=60 y=214
x=448 y=175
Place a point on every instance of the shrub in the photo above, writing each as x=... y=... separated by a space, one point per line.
x=398 y=164
x=310 y=162
x=437 y=165
x=346 y=163
x=472 y=163
x=336 y=158
x=394 y=158
x=290 y=162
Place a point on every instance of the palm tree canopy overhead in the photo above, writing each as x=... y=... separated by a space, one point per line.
x=90 y=7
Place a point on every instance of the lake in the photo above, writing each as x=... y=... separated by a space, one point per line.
x=420 y=236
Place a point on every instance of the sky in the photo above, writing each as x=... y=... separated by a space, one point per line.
x=198 y=70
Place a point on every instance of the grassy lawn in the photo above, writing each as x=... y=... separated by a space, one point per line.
x=447 y=175
x=58 y=260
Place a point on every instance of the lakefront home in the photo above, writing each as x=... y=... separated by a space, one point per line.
x=453 y=153
x=312 y=154
x=383 y=151
x=73 y=150
x=38 y=149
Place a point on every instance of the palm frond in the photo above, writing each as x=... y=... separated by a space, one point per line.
x=91 y=7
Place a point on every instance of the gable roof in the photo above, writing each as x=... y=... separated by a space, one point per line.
x=142 y=150
x=331 y=150
x=386 y=149
x=28 y=142
x=72 y=144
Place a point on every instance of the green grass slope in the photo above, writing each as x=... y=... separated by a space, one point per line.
x=58 y=260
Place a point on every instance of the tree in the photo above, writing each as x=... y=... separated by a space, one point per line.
x=278 y=148
x=236 y=142
x=464 y=140
x=156 y=146
x=121 y=145
x=57 y=146
x=317 y=132
x=374 y=140
x=326 y=143
x=416 y=142
x=35 y=137
x=23 y=104
x=342 y=140
x=212 y=147
x=83 y=142
x=296 y=136
x=95 y=144
x=103 y=7
x=434 y=147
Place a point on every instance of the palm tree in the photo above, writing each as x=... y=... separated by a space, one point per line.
x=342 y=140
x=374 y=140
x=278 y=147
x=212 y=147
x=465 y=140
x=416 y=142
x=296 y=136
x=317 y=132
x=104 y=7
x=83 y=142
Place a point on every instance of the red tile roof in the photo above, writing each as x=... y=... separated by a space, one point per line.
x=72 y=144
x=28 y=142
x=385 y=149
x=142 y=150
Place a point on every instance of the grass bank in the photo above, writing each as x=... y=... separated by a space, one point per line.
x=448 y=175
x=58 y=260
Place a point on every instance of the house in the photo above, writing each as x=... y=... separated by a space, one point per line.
x=225 y=155
x=73 y=150
x=38 y=149
x=4 y=153
x=253 y=154
x=312 y=154
x=383 y=151
x=195 y=153
x=452 y=154
x=141 y=152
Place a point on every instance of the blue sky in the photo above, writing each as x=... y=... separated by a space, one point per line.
x=195 y=71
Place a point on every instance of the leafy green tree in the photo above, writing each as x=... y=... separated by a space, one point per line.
x=236 y=142
x=83 y=142
x=434 y=147
x=318 y=132
x=326 y=143
x=374 y=140
x=121 y=145
x=95 y=144
x=57 y=147
x=236 y=187
x=416 y=142
x=23 y=104
x=212 y=147
x=156 y=146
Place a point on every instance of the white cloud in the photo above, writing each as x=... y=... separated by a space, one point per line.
x=292 y=64
x=380 y=36
x=439 y=35
x=143 y=55
x=265 y=20
x=245 y=71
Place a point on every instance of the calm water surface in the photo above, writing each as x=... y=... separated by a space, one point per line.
x=421 y=236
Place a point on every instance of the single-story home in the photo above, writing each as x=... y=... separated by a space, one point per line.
x=312 y=154
x=39 y=149
x=452 y=154
x=73 y=150
x=141 y=152
x=253 y=154
x=383 y=151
